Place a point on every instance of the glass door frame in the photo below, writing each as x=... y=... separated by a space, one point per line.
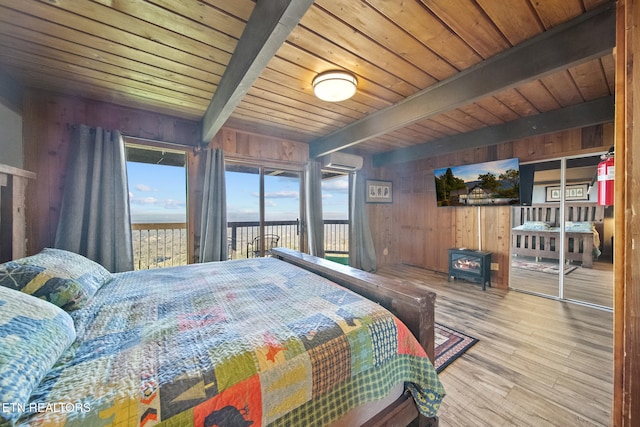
x=261 y=167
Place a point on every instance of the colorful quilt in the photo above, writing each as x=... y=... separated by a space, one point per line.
x=238 y=343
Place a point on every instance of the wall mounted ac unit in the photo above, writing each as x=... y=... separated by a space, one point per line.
x=342 y=161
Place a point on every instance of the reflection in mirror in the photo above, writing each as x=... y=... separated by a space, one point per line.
x=588 y=235
x=537 y=245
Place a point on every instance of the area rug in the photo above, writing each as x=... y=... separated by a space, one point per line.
x=542 y=267
x=450 y=344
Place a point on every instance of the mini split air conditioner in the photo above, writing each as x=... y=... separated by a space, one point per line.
x=342 y=162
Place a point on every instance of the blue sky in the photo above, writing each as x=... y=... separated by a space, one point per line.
x=157 y=193
x=335 y=198
x=470 y=172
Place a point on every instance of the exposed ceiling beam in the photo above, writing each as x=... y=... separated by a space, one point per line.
x=576 y=116
x=589 y=36
x=268 y=27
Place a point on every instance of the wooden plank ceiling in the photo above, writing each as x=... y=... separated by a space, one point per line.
x=170 y=56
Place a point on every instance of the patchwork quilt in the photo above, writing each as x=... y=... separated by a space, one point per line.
x=238 y=343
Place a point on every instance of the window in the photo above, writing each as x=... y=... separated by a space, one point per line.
x=157 y=196
x=335 y=213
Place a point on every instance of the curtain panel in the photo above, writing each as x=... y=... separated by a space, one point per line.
x=313 y=207
x=362 y=253
x=94 y=216
x=213 y=230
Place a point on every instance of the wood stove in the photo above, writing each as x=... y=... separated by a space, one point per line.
x=470 y=265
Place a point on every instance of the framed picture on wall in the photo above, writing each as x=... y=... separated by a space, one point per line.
x=572 y=193
x=379 y=191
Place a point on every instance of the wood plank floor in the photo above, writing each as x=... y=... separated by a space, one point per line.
x=538 y=362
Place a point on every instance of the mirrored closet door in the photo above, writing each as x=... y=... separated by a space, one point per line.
x=535 y=242
x=562 y=235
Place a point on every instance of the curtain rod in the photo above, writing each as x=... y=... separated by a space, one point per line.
x=196 y=148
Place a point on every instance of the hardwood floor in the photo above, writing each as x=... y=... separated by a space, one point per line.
x=538 y=362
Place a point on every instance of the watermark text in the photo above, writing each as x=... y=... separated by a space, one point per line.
x=40 y=407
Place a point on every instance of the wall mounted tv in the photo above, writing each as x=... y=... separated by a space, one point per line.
x=479 y=184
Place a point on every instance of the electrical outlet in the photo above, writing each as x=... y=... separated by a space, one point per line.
x=494 y=266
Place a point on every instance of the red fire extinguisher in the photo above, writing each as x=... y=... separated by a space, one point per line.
x=605 y=179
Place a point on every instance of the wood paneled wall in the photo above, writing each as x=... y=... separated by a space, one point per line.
x=48 y=120
x=251 y=147
x=626 y=386
x=414 y=230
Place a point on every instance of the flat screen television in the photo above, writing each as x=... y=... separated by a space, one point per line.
x=479 y=184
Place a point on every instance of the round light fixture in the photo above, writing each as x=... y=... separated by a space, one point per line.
x=334 y=86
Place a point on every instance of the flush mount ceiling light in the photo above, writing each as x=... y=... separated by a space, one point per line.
x=334 y=86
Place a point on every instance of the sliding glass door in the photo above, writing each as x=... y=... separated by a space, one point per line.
x=263 y=209
x=281 y=208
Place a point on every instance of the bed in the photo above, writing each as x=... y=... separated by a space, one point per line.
x=285 y=340
x=537 y=232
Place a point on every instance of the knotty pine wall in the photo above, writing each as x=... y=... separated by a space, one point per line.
x=414 y=230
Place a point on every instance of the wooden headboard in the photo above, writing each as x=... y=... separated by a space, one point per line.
x=550 y=213
x=13 y=184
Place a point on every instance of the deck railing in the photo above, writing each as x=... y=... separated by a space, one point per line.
x=336 y=236
x=165 y=244
x=242 y=234
x=159 y=245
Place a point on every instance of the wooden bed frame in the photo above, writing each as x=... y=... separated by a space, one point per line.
x=411 y=304
x=546 y=243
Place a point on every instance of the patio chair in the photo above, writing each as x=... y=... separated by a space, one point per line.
x=254 y=248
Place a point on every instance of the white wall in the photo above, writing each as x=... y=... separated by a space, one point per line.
x=10 y=138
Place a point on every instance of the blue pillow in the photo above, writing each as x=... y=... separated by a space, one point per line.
x=579 y=226
x=534 y=226
x=63 y=278
x=33 y=335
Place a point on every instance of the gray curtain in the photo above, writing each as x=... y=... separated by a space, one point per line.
x=313 y=207
x=213 y=228
x=362 y=253
x=94 y=216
